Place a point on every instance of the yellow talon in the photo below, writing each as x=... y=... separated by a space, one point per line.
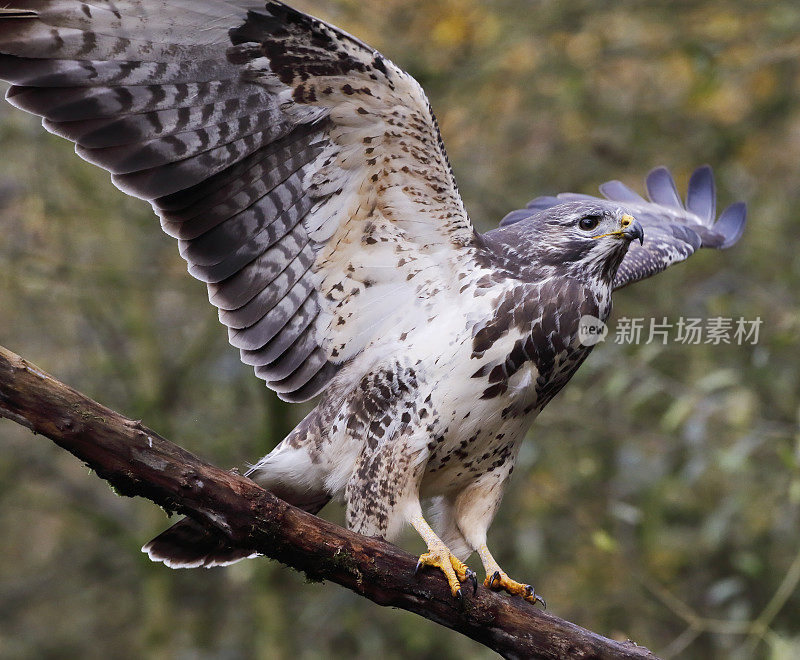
x=439 y=556
x=455 y=570
x=499 y=581
x=461 y=569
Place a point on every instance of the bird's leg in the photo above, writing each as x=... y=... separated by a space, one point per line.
x=438 y=555
x=497 y=580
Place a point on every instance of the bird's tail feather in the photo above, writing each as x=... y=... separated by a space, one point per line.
x=188 y=544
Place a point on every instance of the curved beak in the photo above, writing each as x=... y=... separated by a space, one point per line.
x=629 y=229
x=632 y=229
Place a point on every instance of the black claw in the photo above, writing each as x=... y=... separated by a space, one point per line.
x=474 y=579
x=419 y=565
x=529 y=592
x=495 y=578
x=460 y=595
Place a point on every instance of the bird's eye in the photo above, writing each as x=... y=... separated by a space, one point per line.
x=589 y=222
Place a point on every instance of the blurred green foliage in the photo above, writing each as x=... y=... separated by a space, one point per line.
x=658 y=497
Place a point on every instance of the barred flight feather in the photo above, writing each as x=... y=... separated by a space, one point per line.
x=253 y=134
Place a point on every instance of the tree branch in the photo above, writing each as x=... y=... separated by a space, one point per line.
x=139 y=462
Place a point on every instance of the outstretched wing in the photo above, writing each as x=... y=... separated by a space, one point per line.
x=672 y=231
x=302 y=172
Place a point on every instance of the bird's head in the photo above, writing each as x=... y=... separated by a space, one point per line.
x=582 y=239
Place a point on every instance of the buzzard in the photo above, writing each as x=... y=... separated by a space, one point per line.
x=305 y=179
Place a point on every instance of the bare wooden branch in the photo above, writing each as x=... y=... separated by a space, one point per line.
x=139 y=462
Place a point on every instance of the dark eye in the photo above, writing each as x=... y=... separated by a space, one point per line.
x=589 y=222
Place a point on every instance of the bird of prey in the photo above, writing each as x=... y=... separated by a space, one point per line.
x=306 y=181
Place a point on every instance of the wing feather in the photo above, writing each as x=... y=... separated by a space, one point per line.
x=662 y=190
x=701 y=199
x=302 y=173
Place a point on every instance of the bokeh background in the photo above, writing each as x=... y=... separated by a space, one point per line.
x=657 y=498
